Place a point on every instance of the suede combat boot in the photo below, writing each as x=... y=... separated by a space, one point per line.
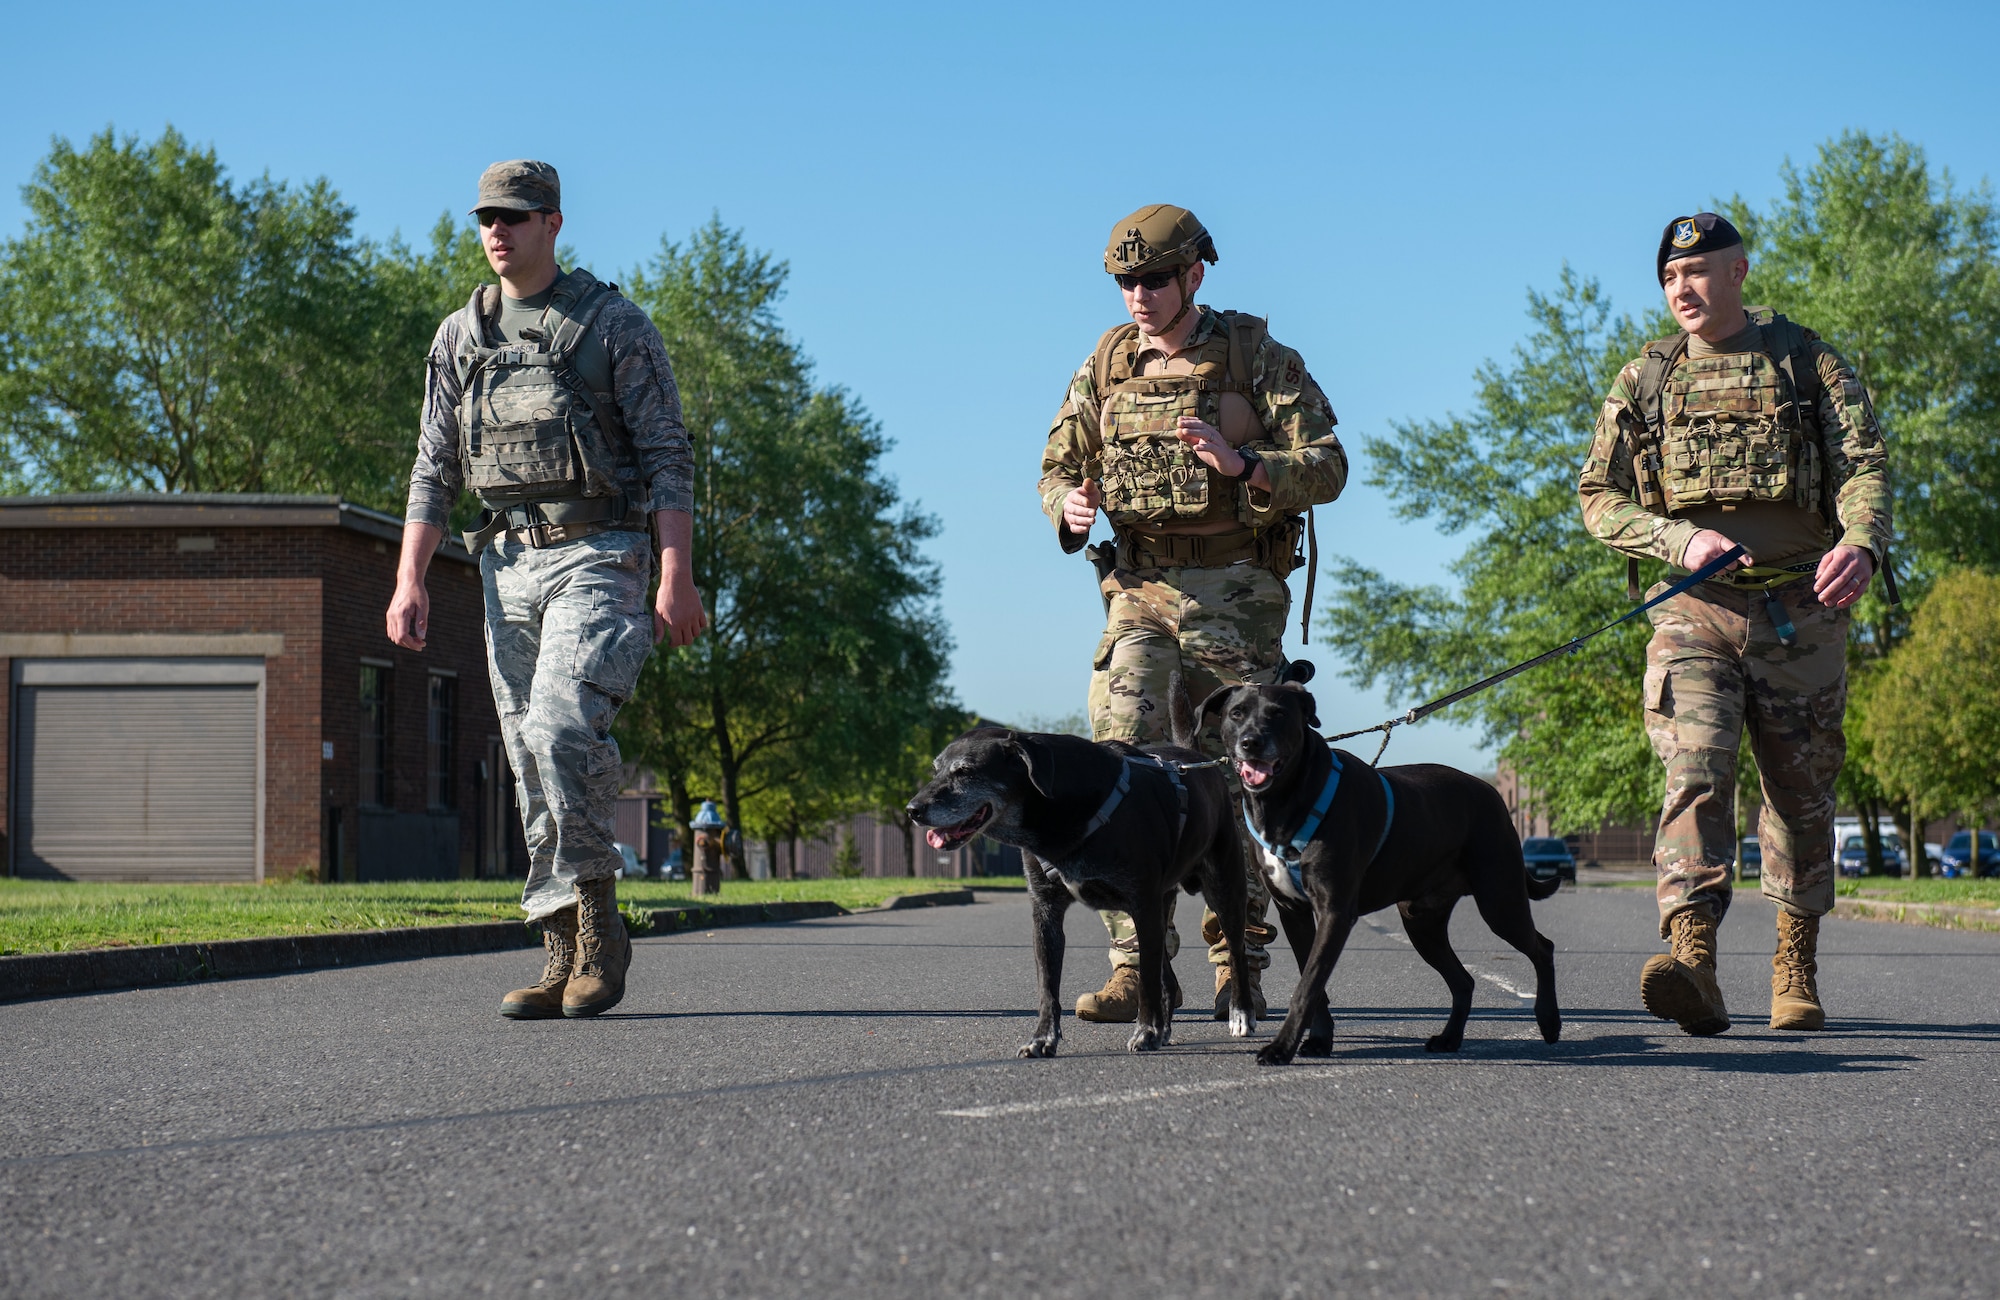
x=1794 y=986
x=1679 y=985
x=1117 y=1003
x=603 y=951
x=1253 y=981
x=544 y=1000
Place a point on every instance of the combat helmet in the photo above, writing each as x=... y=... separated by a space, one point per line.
x=1158 y=237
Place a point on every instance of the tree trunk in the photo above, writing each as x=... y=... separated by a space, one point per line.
x=771 y=854
x=909 y=829
x=1871 y=835
x=677 y=795
x=730 y=770
x=1920 y=861
x=1900 y=810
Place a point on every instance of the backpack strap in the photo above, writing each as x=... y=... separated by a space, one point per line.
x=1656 y=361
x=1108 y=345
x=1246 y=335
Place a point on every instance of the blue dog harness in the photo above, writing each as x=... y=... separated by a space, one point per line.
x=1287 y=856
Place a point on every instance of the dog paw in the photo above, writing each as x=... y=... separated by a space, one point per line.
x=1239 y=1024
x=1038 y=1047
x=1145 y=1040
x=1443 y=1042
x=1552 y=1029
x=1316 y=1047
x=1273 y=1054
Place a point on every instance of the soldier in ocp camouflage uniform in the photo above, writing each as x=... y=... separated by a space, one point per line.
x=1745 y=430
x=1204 y=440
x=551 y=398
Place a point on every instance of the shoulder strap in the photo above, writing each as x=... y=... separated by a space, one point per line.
x=1658 y=361
x=1107 y=344
x=1246 y=334
x=1787 y=343
x=480 y=311
x=575 y=307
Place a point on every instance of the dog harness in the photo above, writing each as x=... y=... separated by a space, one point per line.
x=1124 y=787
x=1283 y=861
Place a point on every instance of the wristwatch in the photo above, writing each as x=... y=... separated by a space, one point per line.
x=1251 y=460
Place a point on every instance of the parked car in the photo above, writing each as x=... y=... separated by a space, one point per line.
x=1935 y=854
x=1548 y=857
x=1853 y=858
x=1957 y=857
x=1749 y=859
x=633 y=868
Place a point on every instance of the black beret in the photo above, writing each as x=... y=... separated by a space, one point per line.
x=1704 y=232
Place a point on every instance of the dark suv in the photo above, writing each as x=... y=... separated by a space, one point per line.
x=1958 y=855
x=1547 y=858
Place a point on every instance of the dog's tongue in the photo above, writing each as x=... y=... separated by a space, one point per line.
x=934 y=838
x=1254 y=774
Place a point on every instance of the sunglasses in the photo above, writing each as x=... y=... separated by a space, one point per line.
x=505 y=216
x=1155 y=280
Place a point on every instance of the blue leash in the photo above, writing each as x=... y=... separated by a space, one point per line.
x=1295 y=848
x=1422 y=711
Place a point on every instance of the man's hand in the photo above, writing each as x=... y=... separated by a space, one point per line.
x=1079 y=510
x=410 y=615
x=1709 y=545
x=1214 y=451
x=1843 y=575
x=678 y=617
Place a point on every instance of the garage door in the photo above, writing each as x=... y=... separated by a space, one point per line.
x=137 y=769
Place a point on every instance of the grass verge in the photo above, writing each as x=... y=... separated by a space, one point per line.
x=62 y=916
x=1956 y=893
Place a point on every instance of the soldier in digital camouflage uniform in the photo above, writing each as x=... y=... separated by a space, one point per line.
x=1745 y=430
x=550 y=397
x=1203 y=440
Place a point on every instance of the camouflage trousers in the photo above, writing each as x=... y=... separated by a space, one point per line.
x=1715 y=668
x=1216 y=627
x=567 y=630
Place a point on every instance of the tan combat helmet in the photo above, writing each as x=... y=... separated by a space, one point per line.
x=1158 y=237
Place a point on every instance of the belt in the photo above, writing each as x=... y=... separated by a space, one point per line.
x=1179 y=550
x=1763 y=577
x=551 y=523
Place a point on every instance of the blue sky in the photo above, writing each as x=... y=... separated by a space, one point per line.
x=1384 y=183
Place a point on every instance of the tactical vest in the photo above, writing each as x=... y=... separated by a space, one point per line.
x=1739 y=427
x=1148 y=474
x=524 y=406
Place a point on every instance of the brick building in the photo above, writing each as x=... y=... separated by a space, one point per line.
x=199 y=688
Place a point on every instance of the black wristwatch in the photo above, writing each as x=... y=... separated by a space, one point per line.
x=1251 y=460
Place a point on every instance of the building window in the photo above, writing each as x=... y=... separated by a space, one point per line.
x=374 y=747
x=444 y=701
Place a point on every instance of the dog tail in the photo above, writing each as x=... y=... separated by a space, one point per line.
x=1180 y=711
x=1540 y=889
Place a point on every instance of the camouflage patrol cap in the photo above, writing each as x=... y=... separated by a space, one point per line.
x=1704 y=232
x=1157 y=237
x=521 y=184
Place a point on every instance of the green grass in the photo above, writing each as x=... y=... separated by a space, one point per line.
x=60 y=916
x=1963 y=893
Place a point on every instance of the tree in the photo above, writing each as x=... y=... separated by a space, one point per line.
x=904 y=769
x=162 y=327
x=826 y=646
x=1901 y=273
x=1532 y=578
x=1935 y=711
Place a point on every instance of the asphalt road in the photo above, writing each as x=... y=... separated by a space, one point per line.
x=833 y=1108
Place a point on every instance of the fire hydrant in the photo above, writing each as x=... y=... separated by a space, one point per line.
x=705 y=873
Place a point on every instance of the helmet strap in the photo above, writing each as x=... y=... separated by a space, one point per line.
x=1180 y=279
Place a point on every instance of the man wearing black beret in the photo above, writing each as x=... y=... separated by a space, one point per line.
x=1744 y=430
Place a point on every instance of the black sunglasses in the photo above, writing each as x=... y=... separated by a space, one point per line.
x=506 y=216
x=1154 y=280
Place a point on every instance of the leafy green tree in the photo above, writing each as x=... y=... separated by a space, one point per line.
x=163 y=327
x=826 y=646
x=1532 y=577
x=1935 y=710
x=1901 y=272
x=904 y=769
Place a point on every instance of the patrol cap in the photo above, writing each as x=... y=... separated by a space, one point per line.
x=521 y=184
x=1158 y=237
x=1704 y=232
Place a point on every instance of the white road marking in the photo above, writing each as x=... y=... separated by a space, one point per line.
x=1106 y=1098
x=1506 y=986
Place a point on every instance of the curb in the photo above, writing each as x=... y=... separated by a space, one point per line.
x=1943 y=915
x=103 y=970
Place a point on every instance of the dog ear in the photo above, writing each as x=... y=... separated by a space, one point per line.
x=1306 y=701
x=1212 y=702
x=1298 y=670
x=1040 y=760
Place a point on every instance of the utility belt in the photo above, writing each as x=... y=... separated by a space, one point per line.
x=1275 y=548
x=1764 y=577
x=551 y=523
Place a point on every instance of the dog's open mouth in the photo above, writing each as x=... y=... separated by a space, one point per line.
x=1255 y=775
x=950 y=837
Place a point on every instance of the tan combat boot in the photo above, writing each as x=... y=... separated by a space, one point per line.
x=1679 y=985
x=603 y=951
x=1794 y=989
x=1117 y=1003
x=543 y=1000
x=1253 y=980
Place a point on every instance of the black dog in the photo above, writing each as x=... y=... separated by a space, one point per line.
x=1110 y=826
x=1340 y=839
